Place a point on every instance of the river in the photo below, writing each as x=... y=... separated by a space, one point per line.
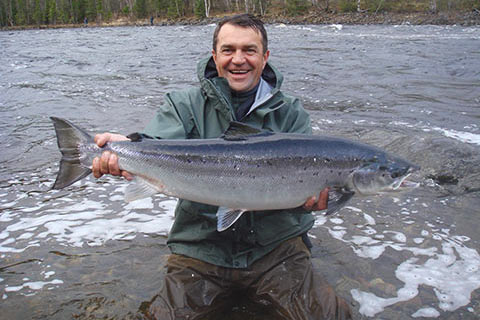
x=84 y=253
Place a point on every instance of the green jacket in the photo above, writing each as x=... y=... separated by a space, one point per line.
x=205 y=112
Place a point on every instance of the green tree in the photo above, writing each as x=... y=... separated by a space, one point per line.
x=99 y=9
x=199 y=8
x=38 y=13
x=52 y=12
x=140 y=9
x=161 y=7
x=175 y=9
x=91 y=10
x=78 y=10
x=296 y=7
x=347 y=6
x=20 y=16
x=3 y=14
x=65 y=11
x=11 y=12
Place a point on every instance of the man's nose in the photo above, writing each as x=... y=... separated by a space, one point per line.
x=238 y=57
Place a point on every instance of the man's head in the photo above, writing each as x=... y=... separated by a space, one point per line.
x=240 y=51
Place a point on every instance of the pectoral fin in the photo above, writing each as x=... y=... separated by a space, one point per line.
x=140 y=188
x=226 y=217
x=337 y=198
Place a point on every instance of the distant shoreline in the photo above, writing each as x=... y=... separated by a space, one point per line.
x=471 y=18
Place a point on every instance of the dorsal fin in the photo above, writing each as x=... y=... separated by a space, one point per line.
x=241 y=131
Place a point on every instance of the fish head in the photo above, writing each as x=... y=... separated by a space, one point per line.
x=383 y=176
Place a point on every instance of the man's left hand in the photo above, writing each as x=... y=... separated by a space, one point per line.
x=317 y=204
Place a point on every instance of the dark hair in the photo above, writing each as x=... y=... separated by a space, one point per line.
x=243 y=20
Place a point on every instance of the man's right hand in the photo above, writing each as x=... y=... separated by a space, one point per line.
x=108 y=162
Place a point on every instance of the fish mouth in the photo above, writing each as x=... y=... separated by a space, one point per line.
x=403 y=184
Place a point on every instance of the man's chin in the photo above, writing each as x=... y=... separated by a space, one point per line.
x=239 y=86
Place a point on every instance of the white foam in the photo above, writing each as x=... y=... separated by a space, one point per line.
x=369 y=219
x=451 y=268
x=460 y=135
x=426 y=313
x=34 y=285
x=453 y=273
x=88 y=222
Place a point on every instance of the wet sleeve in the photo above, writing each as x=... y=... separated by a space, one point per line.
x=166 y=124
x=298 y=119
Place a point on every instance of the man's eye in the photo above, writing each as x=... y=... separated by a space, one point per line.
x=226 y=51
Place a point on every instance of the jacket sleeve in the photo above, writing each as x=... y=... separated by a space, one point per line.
x=298 y=119
x=167 y=123
x=291 y=117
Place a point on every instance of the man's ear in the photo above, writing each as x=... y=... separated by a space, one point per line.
x=214 y=55
x=265 y=57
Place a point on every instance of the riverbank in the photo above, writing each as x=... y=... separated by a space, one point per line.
x=470 y=18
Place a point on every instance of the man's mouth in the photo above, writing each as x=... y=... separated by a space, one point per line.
x=239 y=71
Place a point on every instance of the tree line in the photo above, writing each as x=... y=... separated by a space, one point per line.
x=53 y=12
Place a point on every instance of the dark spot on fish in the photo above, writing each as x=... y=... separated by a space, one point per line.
x=301 y=181
x=189 y=160
x=315 y=174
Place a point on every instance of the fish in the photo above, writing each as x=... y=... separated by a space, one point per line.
x=246 y=169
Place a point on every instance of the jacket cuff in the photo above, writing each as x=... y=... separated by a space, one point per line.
x=137 y=136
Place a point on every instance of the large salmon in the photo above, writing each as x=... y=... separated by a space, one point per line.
x=244 y=170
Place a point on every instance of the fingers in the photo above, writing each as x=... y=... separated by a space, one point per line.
x=314 y=204
x=310 y=203
x=113 y=165
x=101 y=139
x=96 y=167
x=127 y=175
x=104 y=161
x=107 y=163
x=322 y=203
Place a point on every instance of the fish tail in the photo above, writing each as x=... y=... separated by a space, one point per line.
x=69 y=139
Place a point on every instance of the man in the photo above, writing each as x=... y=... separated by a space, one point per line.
x=263 y=254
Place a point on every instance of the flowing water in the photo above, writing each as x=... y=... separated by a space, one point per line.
x=84 y=253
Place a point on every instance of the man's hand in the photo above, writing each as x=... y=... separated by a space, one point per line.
x=312 y=204
x=108 y=162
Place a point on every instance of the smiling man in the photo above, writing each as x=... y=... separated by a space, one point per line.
x=240 y=56
x=264 y=255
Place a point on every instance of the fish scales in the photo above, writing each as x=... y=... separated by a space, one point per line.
x=246 y=169
x=237 y=171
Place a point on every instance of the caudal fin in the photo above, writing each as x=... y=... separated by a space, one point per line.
x=69 y=138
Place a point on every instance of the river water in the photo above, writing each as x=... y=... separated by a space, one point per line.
x=84 y=253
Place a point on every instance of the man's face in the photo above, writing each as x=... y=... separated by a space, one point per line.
x=239 y=56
